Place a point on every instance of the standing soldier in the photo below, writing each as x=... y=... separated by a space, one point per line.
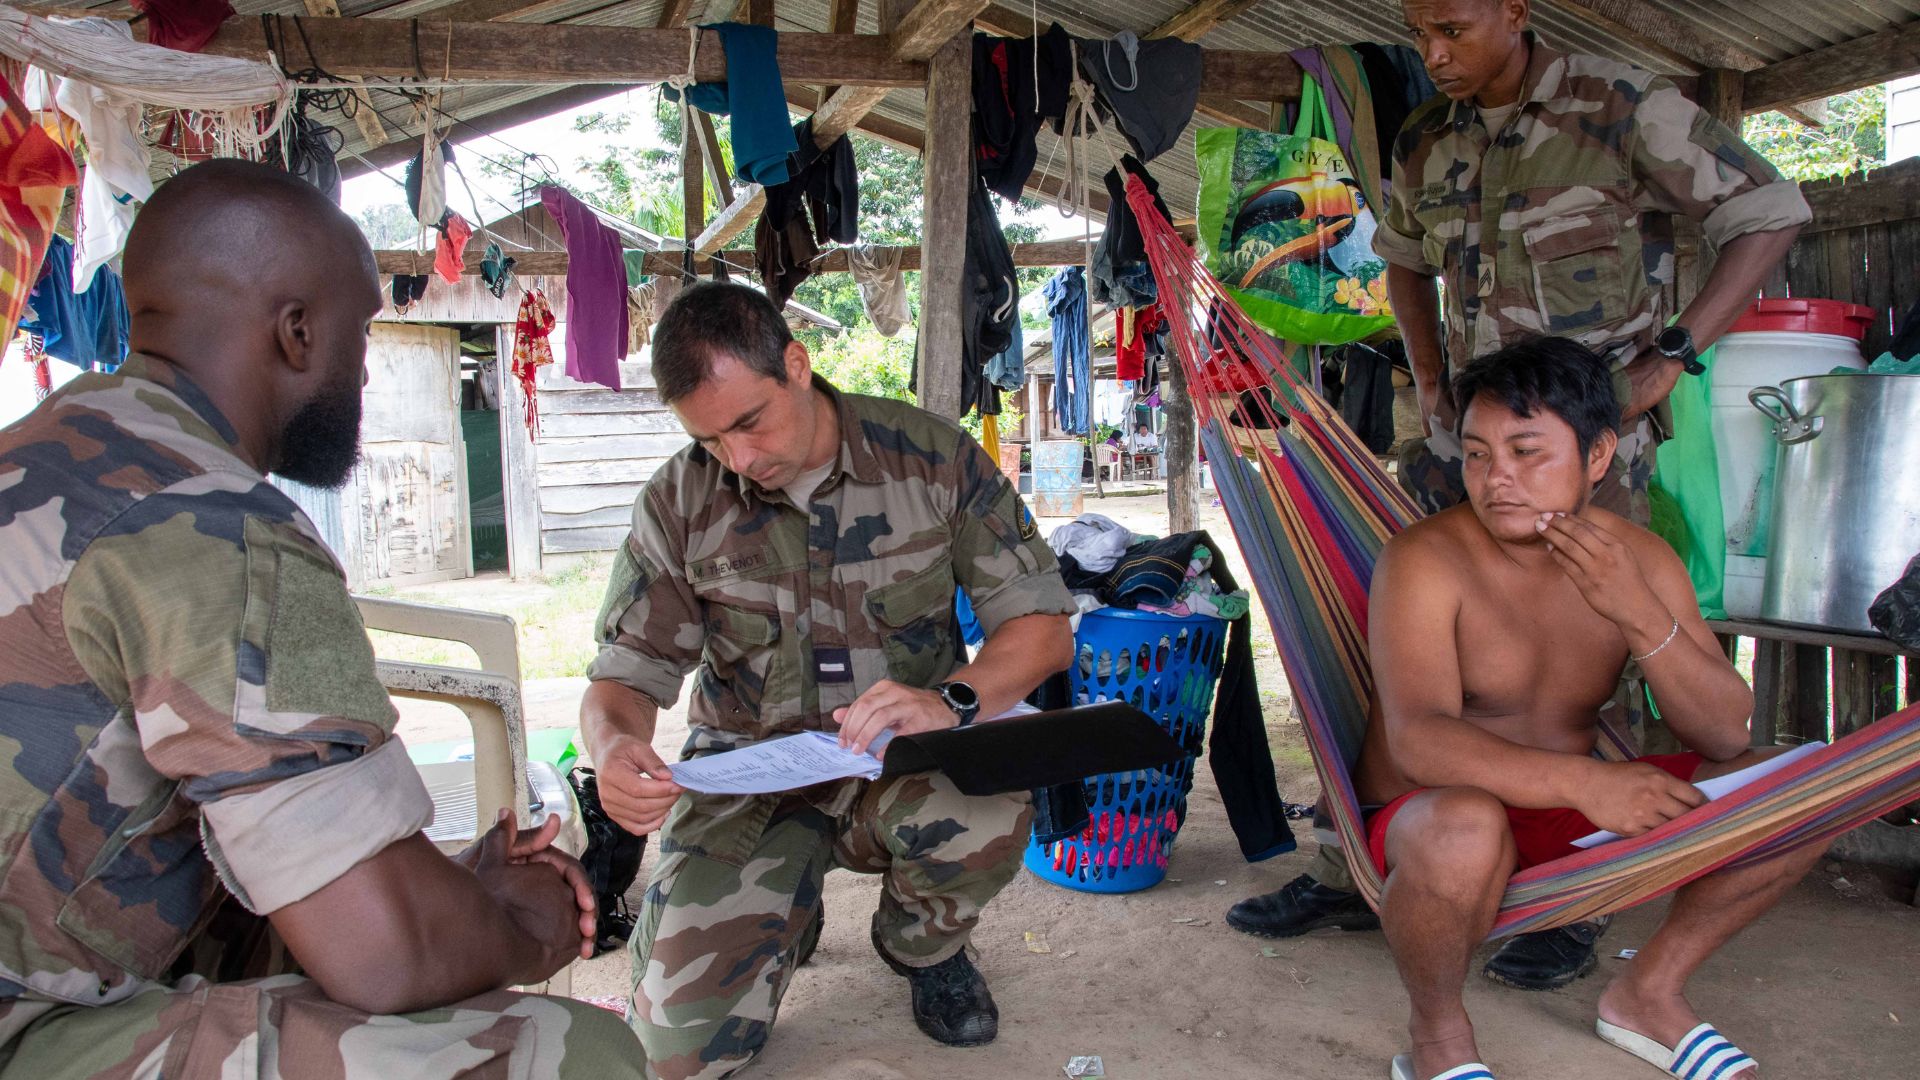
x=800 y=559
x=1540 y=189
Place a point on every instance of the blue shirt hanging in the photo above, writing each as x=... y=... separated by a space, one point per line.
x=87 y=329
x=1066 y=294
x=756 y=99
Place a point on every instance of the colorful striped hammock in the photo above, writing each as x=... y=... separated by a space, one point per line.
x=1311 y=507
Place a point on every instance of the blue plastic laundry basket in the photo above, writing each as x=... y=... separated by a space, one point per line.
x=1166 y=666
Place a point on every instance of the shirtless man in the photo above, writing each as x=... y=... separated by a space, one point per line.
x=1480 y=749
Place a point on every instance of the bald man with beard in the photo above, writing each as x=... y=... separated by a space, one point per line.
x=202 y=769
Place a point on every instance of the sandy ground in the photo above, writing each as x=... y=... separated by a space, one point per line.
x=1824 y=986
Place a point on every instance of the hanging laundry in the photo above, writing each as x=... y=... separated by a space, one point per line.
x=883 y=288
x=496 y=270
x=407 y=290
x=115 y=180
x=426 y=181
x=596 y=290
x=1390 y=109
x=186 y=25
x=989 y=302
x=1132 y=328
x=1121 y=276
x=36 y=358
x=531 y=350
x=35 y=172
x=1007 y=369
x=755 y=97
x=1148 y=87
x=636 y=260
x=87 y=330
x=1066 y=294
x=1010 y=103
x=822 y=186
x=450 y=251
x=1343 y=84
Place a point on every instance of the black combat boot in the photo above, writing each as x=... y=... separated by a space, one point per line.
x=1301 y=905
x=1548 y=959
x=950 y=999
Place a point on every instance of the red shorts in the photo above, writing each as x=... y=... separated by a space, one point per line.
x=1539 y=835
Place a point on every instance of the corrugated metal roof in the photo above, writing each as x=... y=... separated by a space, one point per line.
x=1766 y=30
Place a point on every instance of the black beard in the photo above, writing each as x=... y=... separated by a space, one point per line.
x=322 y=442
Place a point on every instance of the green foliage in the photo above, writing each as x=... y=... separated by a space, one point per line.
x=388 y=226
x=1853 y=139
x=860 y=361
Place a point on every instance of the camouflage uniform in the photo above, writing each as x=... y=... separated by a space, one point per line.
x=1581 y=185
x=784 y=614
x=193 y=715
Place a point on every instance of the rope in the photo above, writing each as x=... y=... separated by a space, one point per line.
x=681 y=82
x=100 y=53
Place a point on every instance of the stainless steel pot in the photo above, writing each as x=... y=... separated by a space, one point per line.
x=1846 y=495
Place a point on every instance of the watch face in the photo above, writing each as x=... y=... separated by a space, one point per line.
x=1674 y=341
x=960 y=695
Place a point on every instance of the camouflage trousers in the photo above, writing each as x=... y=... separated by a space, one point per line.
x=284 y=1028
x=717 y=944
x=1430 y=472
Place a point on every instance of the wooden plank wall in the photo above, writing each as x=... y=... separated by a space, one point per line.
x=597 y=447
x=1863 y=247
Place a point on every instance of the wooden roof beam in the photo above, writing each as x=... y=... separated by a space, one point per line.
x=1890 y=54
x=923 y=30
x=1676 y=39
x=364 y=117
x=667 y=261
x=1228 y=78
x=1197 y=21
x=561 y=53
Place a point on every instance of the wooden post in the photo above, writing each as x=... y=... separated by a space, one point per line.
x=692 y=182
x=1809 y=719
x=518 y=482
x=1183 y=470
x=949 y=178
x=1773 y=691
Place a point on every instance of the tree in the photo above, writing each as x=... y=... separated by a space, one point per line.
x=388 y=226
x=1854 y=137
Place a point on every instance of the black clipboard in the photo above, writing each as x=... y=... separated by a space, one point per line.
x=1037 y=750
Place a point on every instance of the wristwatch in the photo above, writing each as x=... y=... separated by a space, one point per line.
x=962 y=699
x=1676 y=343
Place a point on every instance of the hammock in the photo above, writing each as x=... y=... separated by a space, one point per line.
x=1311 y=507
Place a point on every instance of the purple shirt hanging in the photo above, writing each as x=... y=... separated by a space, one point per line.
x=596 y=312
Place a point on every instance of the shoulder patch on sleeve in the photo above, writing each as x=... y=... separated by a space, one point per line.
x=1029 y=528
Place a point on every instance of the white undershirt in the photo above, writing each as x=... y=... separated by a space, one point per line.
x=800 y=492
x=1497 y=118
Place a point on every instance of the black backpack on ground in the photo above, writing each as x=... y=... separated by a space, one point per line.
x=612 y=861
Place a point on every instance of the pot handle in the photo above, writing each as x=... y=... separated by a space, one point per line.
x=1788 y=426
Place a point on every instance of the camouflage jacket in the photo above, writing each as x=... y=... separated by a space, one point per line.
x=187 y=695
x=1579 y=186
x=785 y=614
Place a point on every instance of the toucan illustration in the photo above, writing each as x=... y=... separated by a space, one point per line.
x=1329 y=204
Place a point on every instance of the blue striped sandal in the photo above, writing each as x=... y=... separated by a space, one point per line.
x=1702 y=1054
x=1473 y=1070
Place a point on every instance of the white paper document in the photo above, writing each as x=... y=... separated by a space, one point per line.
x=784 y=764
x=1721 y=786
x=788 y=763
